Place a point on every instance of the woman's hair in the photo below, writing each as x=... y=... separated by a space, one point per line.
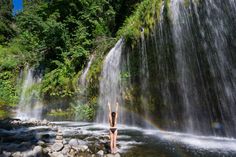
x=113 y=115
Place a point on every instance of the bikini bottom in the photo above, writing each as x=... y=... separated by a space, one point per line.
x=113 y=130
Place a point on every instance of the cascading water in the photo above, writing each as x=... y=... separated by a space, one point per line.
x=83 y=82
x=110 y=85
x=187 y=67
x=82 y=79
x=144 y=74
x=201 y=50
x=182 y=37
x=30 y=106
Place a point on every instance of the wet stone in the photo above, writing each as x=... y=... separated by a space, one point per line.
x=57 y=154
x=57 y=147
x=58 y=141
x=100 y=153
x=113 y=155
x=73 y=142
x=6 y=154
x=59 y=137
x=17 y=154
x=66 y=149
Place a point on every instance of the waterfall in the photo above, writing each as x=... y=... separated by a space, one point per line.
x=183 y=72
x=82 y=79
x=205 y=65
x=30 y=106
x=144 y=75
x=110 y=83
x=83 y=82
x=182 y=36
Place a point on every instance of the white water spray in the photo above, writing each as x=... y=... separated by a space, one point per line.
x=110 y=90
x=30 y=106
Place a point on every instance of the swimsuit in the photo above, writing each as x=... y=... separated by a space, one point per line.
x=113 y=130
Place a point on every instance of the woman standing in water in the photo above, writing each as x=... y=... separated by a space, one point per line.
x=113 y=127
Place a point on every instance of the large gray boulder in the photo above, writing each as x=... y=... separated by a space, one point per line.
x=73 y=142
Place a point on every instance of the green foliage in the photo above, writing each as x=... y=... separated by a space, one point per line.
x=58 y=82
x=65 y=114
x=6 y=21
x=84 y=112
x=145 y=16
x=57 y=37
x=103 y=45
x=8 y=92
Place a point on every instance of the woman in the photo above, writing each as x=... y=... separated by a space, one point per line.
x=113 y=129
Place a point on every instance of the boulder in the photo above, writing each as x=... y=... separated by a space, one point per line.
x=113 y=155
x=81 y=142
x=64 y=141
x=73 y=142
x=44 y=122
x=6 y=154
x=46 y=150
x=66 y=149
x=38 y=150
x=17 y=154
x=57 y=147
x=59 y=141
x=41 y=143
x=57 y=154
x=100 y=153
x=80 y=148
x=59 y=137
x=72 y=152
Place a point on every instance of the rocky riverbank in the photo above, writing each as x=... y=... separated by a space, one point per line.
x=34 y=138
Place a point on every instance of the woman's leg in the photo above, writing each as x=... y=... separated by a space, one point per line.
x=111 y=141
x=115 y=137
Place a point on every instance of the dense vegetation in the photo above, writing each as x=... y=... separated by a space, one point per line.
x=56 y=38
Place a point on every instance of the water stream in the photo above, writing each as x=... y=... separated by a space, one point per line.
x=30 y=105
x=110 y=85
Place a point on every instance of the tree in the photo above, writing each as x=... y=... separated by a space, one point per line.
x=6 y=21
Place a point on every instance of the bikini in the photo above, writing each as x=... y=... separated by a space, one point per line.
x=113 y=130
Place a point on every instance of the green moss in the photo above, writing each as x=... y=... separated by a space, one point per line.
x=145 y=16
x=3 y=114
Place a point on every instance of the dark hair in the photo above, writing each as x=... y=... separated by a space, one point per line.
x=113 y=115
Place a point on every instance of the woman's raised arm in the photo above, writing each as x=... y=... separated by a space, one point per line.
x=117 y=106
x=109 y=107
